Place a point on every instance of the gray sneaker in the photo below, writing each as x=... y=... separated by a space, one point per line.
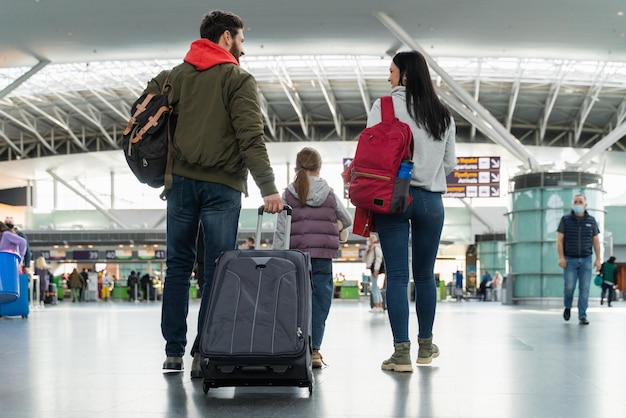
x=173 y=364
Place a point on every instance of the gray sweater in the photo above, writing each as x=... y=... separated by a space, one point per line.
x=433 y=159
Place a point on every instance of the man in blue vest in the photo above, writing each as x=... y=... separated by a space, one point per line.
x=576 y=240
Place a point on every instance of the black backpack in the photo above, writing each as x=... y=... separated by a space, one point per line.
x=147 y=139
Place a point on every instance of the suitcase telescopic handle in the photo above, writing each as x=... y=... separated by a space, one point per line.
x=287 y=225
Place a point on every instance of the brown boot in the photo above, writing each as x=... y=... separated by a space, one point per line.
x=427 y=351
x=317 y=360
x=400 y=360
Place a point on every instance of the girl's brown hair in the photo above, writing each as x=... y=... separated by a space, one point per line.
x=308 y=159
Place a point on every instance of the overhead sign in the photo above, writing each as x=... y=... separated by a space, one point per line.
x=474 y=177
x=151 y=254
x=53 y=254
x=86 y=255
x=119 y=254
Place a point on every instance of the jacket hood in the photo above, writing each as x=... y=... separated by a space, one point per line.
x=318 y=191
x=204 y=54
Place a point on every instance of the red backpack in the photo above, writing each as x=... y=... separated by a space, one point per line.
x=377 y=182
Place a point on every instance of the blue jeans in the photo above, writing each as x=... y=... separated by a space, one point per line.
x=424 y=220
x=190 y=202
x=377 y=297
x=322 y=297
x=577 y=269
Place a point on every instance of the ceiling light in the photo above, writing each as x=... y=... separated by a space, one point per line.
x=620 y=13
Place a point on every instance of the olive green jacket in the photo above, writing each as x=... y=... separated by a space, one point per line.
x=219 y=126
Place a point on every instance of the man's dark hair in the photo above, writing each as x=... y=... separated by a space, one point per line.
x=250 y=240
x=216 y=22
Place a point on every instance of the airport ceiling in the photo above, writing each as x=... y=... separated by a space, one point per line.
x=533 y=72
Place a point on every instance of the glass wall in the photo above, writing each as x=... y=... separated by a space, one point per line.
x=533 y=222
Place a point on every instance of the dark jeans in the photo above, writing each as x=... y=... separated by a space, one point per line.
x=611 y=290
x=423 y=220
x=322 y=297
x=191 y=201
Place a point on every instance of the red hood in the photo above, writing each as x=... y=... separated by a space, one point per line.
x=204 y=54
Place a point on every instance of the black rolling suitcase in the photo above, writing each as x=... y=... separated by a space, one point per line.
x=51 y=297
x=257 y=331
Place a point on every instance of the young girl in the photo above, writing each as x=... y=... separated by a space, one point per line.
x=316 y=210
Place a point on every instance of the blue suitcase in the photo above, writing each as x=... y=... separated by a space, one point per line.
x=20 y=306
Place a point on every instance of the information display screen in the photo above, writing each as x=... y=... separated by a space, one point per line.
x=86 y=255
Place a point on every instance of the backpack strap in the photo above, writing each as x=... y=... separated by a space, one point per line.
x=386 y=109
x=388 y=115
x=167 y=179
x=141 y=107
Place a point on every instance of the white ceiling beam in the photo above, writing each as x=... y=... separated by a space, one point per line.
x=293 y=97
x=108 y=104
x=553 y=93
x=24 y=77
x=466 y=113
x=475 y=214
x=600 y=146
x=269 y=122
x=27 y=126
x=328 y=94
x=557 y=138
x=86 y=198
x=57 y=122
x=88 y=191
x=514 y=95
x=503 y=136
x=360 y=79
x=10 y=143
x=89 y=118
x=476 y=97
x=589 y=101
x=620 y=114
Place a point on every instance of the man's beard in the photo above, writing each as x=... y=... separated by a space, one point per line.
x=235 y=51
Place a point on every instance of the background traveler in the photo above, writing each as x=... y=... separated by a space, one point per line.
x=485 y=283
x=25 y=253
x=497 y=286
x=416 y=103
x=41 y=270
x=576 y=239
x=609 y=280
x=373 y=259
x=316 y=209
x=458 y=288
x=131 y=286
x=219 y=136
x=75 y=282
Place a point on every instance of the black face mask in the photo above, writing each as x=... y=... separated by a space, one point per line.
x=10 y=226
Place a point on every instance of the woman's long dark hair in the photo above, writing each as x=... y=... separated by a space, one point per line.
x=422 y=102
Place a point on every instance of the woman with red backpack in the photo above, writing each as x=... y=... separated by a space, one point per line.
x=416 y=103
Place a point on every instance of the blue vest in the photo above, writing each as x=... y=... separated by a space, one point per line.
x=578 y=235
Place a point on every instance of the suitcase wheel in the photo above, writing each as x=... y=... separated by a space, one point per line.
x=205 y=387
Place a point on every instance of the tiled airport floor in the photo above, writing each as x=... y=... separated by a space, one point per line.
x=104 y=360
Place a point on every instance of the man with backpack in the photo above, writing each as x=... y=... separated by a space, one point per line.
x=219 y=136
